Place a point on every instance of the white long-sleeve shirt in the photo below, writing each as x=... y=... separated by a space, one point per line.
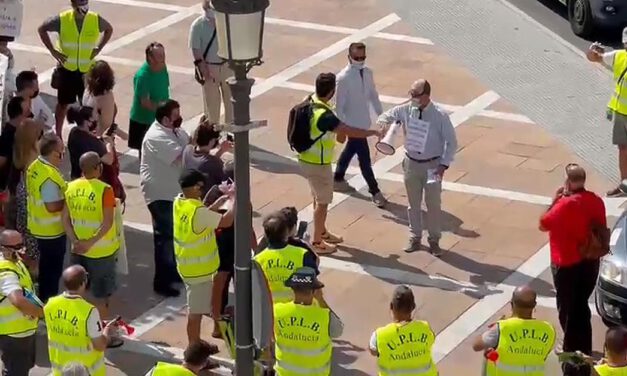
x=355 y=93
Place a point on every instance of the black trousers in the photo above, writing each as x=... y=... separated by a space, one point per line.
x=359 y=147
x=18 y=355
x=163 y=236
x=574 y=285
x=51 y=257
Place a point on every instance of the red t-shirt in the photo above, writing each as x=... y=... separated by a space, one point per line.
x=568 y=223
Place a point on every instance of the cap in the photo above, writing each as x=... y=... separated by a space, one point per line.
x=625 y=35
x=304 y=277
x=190 y=178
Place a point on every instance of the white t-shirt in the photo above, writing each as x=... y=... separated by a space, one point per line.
x=42 y=112
x=160 y=165
x=10 y=283
x=94 y=326
x=608 y=58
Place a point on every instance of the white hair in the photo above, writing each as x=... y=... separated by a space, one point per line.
x=74 y=369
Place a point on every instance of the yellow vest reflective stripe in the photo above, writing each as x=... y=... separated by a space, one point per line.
x=278 y=265
x=68 y=339
x=41 y=223
x=523 y=348
x=303 y=345
x=321 y=152
x=197 y=256
x=167 y=369
x=605 y=370
x=405 y=349
x=83 y=198
x=78 y=47
x=12 y=320
x=618 y=102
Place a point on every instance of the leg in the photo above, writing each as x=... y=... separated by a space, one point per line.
x=66 y=95
x=622 y=161
x=563 y=281
x=345 y=159
x=199 y=304
x=18 y=355
x=103 y=282
x=193 y=327
x=587 y=277
x=162 y=235
x=60 y=112
x=52 y=253
x=320 y=218
x=220 y=284
x=415 y=179
x=619 y=138
x=225 y=73
x=433 y=201
x=365 y=165
x=211 y=96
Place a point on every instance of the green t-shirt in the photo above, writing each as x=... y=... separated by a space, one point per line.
x=155 y=85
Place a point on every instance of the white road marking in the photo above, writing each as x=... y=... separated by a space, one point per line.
x=550 y=302
x=278 y=21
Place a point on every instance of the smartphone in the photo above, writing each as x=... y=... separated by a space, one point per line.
x=230 y=137
x=302 y=228
x=570 y=357
x=111 y=129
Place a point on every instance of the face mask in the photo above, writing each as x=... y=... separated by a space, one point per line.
x=35 y=94
x=177 y=123
x=82 y=9
x=357 y=64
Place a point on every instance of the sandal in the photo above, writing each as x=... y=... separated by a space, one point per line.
x=323 y=248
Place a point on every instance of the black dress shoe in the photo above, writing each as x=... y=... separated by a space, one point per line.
x=167 y=291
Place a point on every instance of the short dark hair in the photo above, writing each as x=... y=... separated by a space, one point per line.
x=14 y=107
x=77 y=114
x=47 y=144
x=165 y=110
x=190 y=177
x=100 y=78
x=291 y=216
x=197 y=353
x=151 y=47
x=24 y=79
x=355 y=46
x=403 y=300
x=616 y=340
x=325 y=84
x=275 y=228
x=205 y=132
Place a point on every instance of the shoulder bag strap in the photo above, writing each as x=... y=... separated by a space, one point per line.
x=213 y=37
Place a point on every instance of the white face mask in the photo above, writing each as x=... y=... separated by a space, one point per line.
x=358 y=64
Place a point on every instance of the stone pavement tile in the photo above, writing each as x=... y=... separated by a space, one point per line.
x=124 y=19
x=182 y=3
x=464 y=361
x=300 y=42
x=29 y=60
x=348 y=13
x=502 y=105
x=394 y=73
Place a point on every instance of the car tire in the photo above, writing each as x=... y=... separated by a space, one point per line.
x=580 y=17
x=605 y=321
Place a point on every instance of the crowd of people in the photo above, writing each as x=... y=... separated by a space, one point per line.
x=189 y=191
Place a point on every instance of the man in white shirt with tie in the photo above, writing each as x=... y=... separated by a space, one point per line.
x=355 y=94
x=430 y=146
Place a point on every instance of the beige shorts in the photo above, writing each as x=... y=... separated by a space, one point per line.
x=320 y=178
x=199 y=297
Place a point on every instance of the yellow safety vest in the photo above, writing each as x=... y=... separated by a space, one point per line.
x=68 y=339
x=405 y=349
x=83 y=198
x=523 y=348
x=618 y=102
x=321 y=152
x=78 y=47
x=41 y=223
x=12 y=320
x=197 y=257
x=302 y=342
x=167 y=369
x=278 y=265
x=606 y=370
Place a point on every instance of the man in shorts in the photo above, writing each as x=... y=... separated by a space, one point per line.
x=74 y=59
x=88 y=222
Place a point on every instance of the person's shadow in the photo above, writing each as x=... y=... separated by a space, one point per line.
x=344 y=354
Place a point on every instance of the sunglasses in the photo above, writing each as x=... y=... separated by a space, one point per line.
x=13 y=247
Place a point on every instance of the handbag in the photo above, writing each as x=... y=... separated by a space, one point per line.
x=198 y=76
x=55 y=79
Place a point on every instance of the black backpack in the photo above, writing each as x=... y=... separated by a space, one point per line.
x=298 y=135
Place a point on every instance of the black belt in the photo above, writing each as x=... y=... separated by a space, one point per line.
x=222 y=63
x=422 y=160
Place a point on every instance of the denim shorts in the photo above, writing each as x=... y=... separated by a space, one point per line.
x=102 y=274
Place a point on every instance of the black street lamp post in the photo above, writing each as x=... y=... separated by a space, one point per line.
x=239 y=25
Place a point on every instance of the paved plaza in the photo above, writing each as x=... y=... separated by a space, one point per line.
x=506 y=170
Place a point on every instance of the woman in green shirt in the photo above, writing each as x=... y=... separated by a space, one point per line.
x=151 y=86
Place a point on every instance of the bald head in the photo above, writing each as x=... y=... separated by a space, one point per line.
x=524 y=298
x=421 y=87
x=575 y=174
x=10 y=238
x=90 y=163
x=73 y=277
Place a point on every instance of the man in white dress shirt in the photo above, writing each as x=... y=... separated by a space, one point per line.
x=355 y=94
x=430 y=146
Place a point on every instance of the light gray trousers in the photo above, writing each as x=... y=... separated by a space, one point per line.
x=415 y=178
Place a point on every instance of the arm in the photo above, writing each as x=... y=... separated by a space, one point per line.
x=372 y=346
x=52 y=196
x=558 y=210
x=393 y=115
x=106 y=105
x=67 y=225
x=99 y=335
x=450 y=141
x=142 y=90
x=374 y=95
x=108 y=213
x=109 y=157
x=51 y=25
x=336 y=327
x=226 y=219
x=169 y=152
x=107 y=30
x=348 y=131
x=24 y=305
x=487 y=340
x=341 y=94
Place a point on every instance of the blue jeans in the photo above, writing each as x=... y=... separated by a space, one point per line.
x=360 y=147
x=161 y=212
x=51 y=257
